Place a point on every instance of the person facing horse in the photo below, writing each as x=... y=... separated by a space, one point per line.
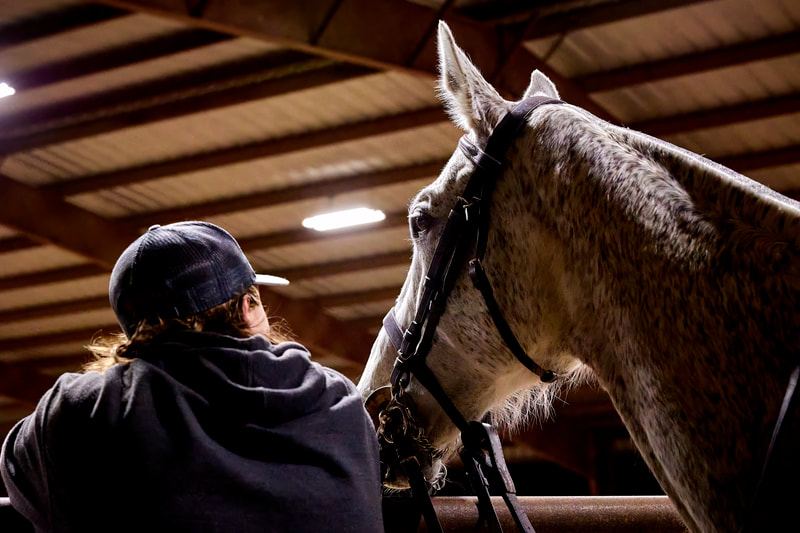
x=196 y=418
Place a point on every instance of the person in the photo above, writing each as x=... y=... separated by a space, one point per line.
x=196 y=419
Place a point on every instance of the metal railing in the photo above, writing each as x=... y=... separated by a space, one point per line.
x=548 y=514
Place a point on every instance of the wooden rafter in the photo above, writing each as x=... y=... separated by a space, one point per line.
x=347 y=266
x=285 y=238
x=174 y=96
x=789 y=155
x=345 y=185
x=317 y=270
x=51 y=276
x=726 y=56
x=721 y=116
x=57 y=21
x=95 y=303
x=119 y=56
x=48 y=218
x=358 y=297
x=248 y=152
x=603 y=13
x=362 y=32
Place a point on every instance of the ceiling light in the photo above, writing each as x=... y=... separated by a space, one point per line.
x=6 y=90
x=343 y=219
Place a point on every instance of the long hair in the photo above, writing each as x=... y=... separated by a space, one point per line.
x=225 y=319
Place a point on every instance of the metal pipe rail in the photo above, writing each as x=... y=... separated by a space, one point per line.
x=548 y=514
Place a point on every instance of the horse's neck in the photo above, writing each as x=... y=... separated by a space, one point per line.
x=651 y=234
x=681 y=285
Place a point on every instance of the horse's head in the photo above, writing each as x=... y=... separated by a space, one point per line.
x=467 y=355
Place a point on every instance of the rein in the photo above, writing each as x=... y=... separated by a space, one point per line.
x=463 y=241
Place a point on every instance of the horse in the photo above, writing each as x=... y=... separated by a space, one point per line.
x=621 y=260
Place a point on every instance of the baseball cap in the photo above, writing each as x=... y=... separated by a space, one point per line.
x=179 y=270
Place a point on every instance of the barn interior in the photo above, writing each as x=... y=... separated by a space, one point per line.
x=256 y=115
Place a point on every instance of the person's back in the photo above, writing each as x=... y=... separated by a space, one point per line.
x=198 y=431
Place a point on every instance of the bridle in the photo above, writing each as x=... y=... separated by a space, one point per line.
x=463 y=241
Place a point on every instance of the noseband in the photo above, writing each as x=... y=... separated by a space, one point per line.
x=463 y=241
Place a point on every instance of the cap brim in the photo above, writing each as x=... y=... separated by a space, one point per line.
x=266 y=279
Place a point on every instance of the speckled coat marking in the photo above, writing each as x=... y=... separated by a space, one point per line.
x=670 y=280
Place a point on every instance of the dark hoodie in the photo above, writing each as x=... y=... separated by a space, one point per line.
x=202 y=433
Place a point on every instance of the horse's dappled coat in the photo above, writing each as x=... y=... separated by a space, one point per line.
x=673 y=281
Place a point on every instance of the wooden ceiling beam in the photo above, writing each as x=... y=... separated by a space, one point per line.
x=346 y=185
x=17 y=242
x=286 y=238
x=365 y=32
x=23 y=383
x=175 y=96
x=56 y=21
x=789 y=155
x=602 y=13
x=116 y=57
x=73 y=336
x=54 y=309
x=345 y=299
x=727 y=56
x=54 y=275
x=248 y=152
x=46 y=218
x=319 y=331
x=319 y=270
x=346 y=266
x=721 y=116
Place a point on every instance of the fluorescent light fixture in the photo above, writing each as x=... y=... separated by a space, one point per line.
x=6 y=90
x=343 y=219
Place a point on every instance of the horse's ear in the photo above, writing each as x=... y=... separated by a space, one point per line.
x=540 y=84
x=473 y=104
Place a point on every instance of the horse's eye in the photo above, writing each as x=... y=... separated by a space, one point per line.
x=419 y=222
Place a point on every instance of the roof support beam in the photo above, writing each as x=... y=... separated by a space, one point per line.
x=213 y=88
x=721 y=116
x=55 y=22
x=116 y=57
x=18 y=242
x=249 y=152
x=55 y=275
x=602 y=13
x=789 y=155
x=728 y=56
x=48 y=218
x=358 y=297
x=346 y=185
x=347 y=266
x=45 y=217
x=350 y=35
x=285 y=238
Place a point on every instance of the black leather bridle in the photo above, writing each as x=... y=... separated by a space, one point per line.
x=464 y=240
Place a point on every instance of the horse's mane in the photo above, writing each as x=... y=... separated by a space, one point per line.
x=765 y=224
x=760 y=211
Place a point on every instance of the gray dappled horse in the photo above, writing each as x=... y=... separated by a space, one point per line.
x=671 y=281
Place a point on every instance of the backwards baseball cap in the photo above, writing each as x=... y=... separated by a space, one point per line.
x=179 y=270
